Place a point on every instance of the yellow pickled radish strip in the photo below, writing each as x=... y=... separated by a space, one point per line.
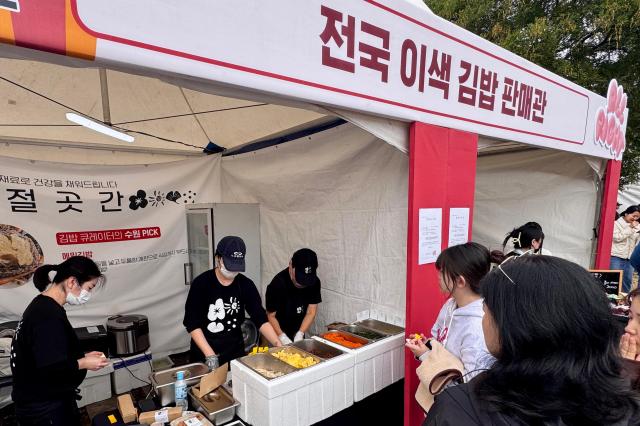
x=295 y=360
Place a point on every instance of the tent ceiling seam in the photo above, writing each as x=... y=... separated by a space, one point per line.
x=122 y=129
x=194 y=116
x=103 y=147
x=187 y=115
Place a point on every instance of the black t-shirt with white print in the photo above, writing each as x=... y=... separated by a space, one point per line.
x=219 y=311
x=289 y=302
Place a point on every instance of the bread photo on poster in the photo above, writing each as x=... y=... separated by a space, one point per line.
x=20 y=256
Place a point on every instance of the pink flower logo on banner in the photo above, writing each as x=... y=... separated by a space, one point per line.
x=610 y=120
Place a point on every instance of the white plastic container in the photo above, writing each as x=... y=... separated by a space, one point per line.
x=96 y=386
x=301 y=398
x=376 y=365
x=131 y=372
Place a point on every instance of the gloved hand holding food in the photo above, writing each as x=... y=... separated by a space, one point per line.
x=285 y=339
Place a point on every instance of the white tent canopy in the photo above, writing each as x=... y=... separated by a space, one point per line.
x=134 y=103
x=344 y=192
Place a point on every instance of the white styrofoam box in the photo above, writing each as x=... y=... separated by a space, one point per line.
x=301 y=398
x=377 y=365
x=124 y=370
x=96 y=386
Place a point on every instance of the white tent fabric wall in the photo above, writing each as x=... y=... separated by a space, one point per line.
x=343 y=193
x=630 y=195
x=555 y=189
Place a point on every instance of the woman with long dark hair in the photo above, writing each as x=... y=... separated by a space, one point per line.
x=527 y=238
x=549 y=326
x=46 y=360
x=625 y=239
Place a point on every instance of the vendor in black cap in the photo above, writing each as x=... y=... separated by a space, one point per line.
x=215 y=307
x=293 y=297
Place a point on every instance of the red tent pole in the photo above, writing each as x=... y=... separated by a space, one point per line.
x=442 y=171
x=607 y=214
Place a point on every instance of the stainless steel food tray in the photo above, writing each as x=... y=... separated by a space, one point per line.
x=218 y=406
x=294 y=350
x=347 y=336
x=163 y=381
x=364 y=332
x=319 y=349
x=268 y=362
x=382 y=327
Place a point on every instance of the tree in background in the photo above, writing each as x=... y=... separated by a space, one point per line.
x=586 y=41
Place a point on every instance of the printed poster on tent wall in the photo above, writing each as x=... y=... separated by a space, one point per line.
x=129 y=219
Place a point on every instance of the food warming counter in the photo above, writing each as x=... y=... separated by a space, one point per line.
x=274 y=392
x=378 y=363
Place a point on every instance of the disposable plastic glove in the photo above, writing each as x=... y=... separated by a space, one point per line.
x=285 y=339
x=299 y=336
x=212 y=362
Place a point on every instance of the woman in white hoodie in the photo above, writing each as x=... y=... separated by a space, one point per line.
x=625 y=238
x=459 y=324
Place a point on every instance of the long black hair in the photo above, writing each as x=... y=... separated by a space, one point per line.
x=523 y=236
x=630 y=210
x=80 y=267
x=558 y=346
x=470 y=260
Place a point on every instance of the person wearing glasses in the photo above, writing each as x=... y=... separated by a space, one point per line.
x=549 y=326
x=46 y=360
x=459 y=324
x=625 y=239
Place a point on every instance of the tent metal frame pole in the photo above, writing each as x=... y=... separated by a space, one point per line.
x=104 y=92
x=104 y=147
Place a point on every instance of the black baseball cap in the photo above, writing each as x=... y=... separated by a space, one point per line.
x=305 y=263
x=233 y=250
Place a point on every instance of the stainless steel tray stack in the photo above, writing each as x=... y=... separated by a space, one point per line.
x=218 y=406
x=163 y=381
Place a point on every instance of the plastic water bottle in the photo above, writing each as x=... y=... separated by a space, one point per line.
x=181 y=391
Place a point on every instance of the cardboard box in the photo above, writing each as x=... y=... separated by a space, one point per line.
x=161 y=416
x=212 y=380
x=127 y=410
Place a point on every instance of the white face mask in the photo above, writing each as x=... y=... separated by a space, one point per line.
x=225 y=272
x=83 y=298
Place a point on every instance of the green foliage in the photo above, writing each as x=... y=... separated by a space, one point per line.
x=586 y=41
